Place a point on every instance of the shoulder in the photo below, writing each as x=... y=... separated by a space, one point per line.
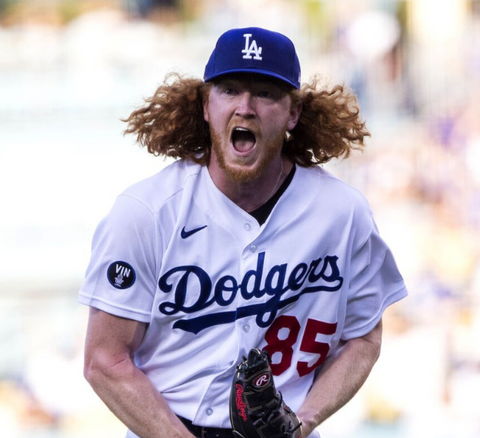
x=158 y=189
x=334 y=204
x=135 y=210
x=334 y=192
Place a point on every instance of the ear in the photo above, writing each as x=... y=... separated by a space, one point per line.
x=295 y=112
x=205 y=108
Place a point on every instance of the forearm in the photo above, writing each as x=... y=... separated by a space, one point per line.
x=340 y=379
x=129 y=394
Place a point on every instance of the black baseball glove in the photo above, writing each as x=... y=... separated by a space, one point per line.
x=257 y=410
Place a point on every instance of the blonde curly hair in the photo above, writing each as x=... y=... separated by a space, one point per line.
x=171 y=122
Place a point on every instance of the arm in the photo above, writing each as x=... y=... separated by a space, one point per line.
x=110 y=344
x=341 y=377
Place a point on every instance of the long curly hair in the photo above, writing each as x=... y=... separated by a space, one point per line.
x=171 y=122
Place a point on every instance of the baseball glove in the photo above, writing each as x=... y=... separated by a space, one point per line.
x=257 y=410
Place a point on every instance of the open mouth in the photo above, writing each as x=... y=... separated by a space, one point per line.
x=243 y=139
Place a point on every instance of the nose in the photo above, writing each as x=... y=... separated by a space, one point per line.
x=245 y=105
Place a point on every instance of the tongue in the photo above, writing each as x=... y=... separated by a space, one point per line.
x=243 y=141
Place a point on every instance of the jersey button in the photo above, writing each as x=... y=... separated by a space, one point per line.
x=247 y=226
x=253 y=248
x=209 y=411
x=246 y=328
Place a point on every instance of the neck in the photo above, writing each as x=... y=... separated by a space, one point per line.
x=251 y=195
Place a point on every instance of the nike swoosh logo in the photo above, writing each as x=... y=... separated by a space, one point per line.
x=186 y=234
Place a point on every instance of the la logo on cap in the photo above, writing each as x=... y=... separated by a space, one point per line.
x=239 y=50
x=252 y=49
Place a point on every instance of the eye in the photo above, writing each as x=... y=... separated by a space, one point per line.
x=265 y=94
x=230 y=91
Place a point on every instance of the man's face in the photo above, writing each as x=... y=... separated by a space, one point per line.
x=248 y=116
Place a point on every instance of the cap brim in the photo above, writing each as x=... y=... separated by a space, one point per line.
x=255 y=71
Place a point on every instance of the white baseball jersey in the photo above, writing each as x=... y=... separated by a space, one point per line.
x=176 y=253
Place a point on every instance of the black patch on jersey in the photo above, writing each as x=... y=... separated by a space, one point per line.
x=121 y=275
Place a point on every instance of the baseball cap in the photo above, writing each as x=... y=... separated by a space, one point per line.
x=254 y=50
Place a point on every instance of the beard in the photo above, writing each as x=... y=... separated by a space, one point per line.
x=246 y=174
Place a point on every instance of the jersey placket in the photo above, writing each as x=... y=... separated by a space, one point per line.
x=250 y=288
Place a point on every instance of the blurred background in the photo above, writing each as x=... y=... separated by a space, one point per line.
x=71 y=69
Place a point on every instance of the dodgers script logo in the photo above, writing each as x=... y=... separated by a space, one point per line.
x=283 y=286
x=251 y=49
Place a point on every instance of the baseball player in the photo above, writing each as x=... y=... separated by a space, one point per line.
x=243 y=242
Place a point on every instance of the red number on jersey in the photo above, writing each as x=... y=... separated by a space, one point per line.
x=283 y=346
x=309 y=344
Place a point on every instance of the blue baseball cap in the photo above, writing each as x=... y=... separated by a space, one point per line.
x=254 y=50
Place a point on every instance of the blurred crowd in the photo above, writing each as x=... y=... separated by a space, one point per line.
x=415 y=67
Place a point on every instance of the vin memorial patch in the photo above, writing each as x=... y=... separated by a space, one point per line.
x=121 y=275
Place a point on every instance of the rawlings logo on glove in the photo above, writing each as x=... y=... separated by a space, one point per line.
x=241 y=411
x=257 y=410
x=263 y=380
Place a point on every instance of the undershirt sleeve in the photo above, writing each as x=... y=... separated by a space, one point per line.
x=121 y=276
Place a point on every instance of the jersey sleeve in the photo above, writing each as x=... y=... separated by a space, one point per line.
x=121 y=276
x=375 y=284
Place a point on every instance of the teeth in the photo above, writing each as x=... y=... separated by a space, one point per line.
x=241 y=129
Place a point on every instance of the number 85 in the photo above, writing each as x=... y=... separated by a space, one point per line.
x=309 y=344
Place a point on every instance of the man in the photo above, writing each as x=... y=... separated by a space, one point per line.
x=242 y=242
